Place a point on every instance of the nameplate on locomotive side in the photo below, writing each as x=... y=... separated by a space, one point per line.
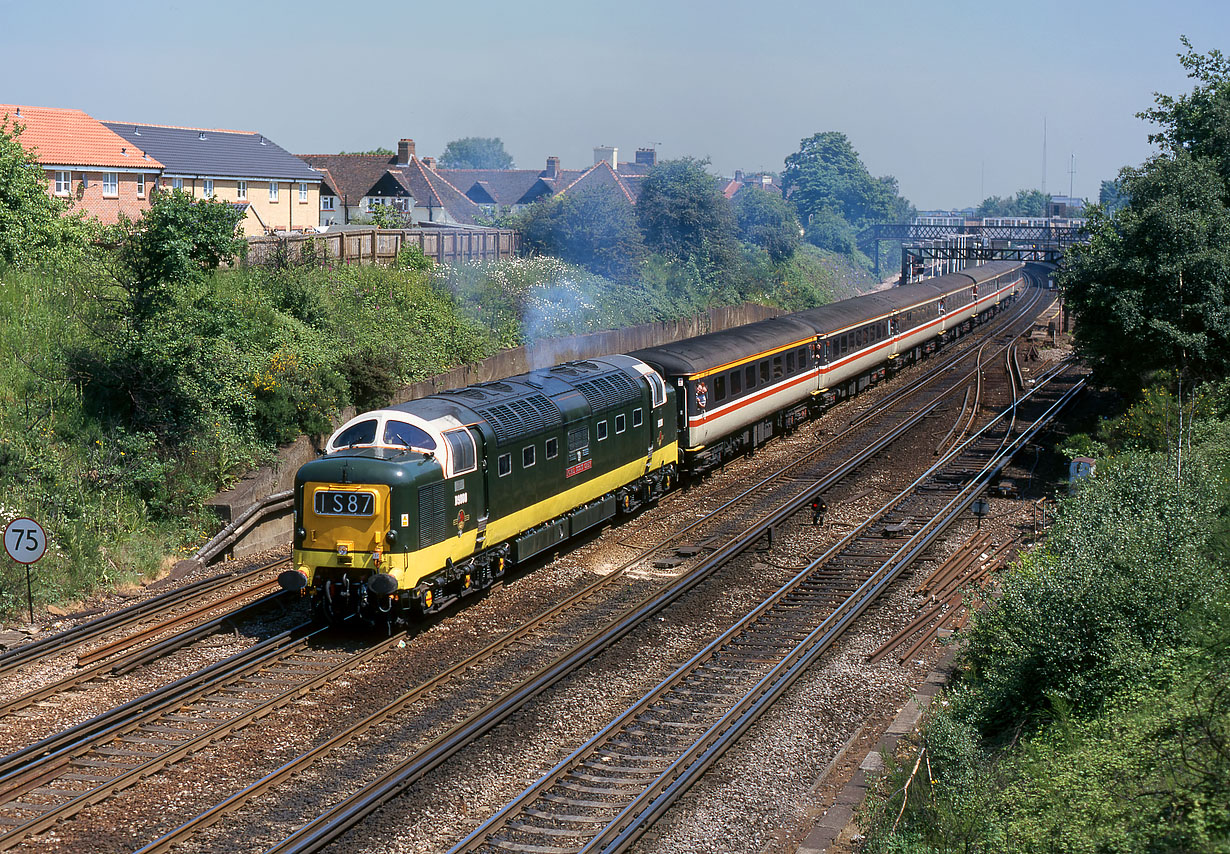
x=331 y=502
x=578 y=468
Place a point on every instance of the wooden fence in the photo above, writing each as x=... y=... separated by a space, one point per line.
x=380 y=246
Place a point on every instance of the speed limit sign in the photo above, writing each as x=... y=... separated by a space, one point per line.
x=25 y=541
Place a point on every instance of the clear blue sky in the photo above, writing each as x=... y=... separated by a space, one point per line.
x=949 y=97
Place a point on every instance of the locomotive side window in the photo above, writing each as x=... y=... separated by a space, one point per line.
x=736 y=382
x=527 y=456
x=553 y=447
x=637 y=418
x=719 y=387
x=504 y=464
x=601 y=430
x=363 y=433
x=621 y=423
x=461 y=449
x=659 y=389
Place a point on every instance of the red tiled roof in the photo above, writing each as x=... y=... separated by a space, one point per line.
x=71 y=138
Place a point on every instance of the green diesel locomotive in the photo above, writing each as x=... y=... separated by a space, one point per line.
x=417 y=505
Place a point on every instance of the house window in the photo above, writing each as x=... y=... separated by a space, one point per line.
x=302 y=192
x=601 y=430
x=504 y=464
x=111 y=183
x=552 y=448
x=527 y=456
x=326 y=203
x=621 y=423
x=241 y=191
x=140 y=185
x=209 y=188
x=64 y=183
x=637 y=418
x=273 y=191
x=177 y=183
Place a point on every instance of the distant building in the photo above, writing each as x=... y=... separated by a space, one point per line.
x=1065 y=207
x=276 y=190
x=759 y=180
x=87 y=163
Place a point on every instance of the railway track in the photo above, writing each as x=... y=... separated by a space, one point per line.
x=612 y=788
x=442 y=743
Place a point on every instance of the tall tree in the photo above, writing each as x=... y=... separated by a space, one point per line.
x=593 y=228
x=1024 y=203
x=768 y=221
x=476 y=152
x=827 y=175
x=1110 y=195
x=683 y=213
x=1152 y=286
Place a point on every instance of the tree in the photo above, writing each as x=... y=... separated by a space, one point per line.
x=768 y=221
x=1025 y=203
x=1111 y=196
x=683 y=213
x=34 y=226
x=826 y=175
x=476 y=152
x=1151 y=287
x=386 y=152
x=593 y=228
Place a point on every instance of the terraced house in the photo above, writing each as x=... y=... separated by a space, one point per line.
x=278 y=191
x=85 y=162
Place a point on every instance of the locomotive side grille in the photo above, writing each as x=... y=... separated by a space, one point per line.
x=433 y=515
x=522 y=416
x=609 y=391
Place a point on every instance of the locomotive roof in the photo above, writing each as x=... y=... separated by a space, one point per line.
x=536 y=401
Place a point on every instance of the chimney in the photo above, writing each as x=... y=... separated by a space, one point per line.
x=405 y=150
x=738 y=176
x=429 y=162
x=609 y=153
x=552 y=167
x=646 y=157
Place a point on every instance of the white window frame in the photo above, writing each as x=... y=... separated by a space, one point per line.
x=326 y=203
x=638 y=418
x=140 y=185
x=601 y=430
x=303 y=192
x=111 y=183
x=621 y=423
x=552 y=448
x=177 y=183
x=64 y=183
x=241 y=190
x=207 y=188
x=503 y=465
x=273 y=192
x=529 y=452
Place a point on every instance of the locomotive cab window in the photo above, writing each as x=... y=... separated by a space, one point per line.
x=601 y=428
x=553 y=447
x=401 y=434
x=621 y=423
x=527 y=457
x=638 y=418
x=363 y=433
x=659 y=389
x=504 y=464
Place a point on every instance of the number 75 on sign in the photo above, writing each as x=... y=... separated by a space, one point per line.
x=25 y=541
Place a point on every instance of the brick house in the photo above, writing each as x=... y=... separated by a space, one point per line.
x=85 y=162
x=278 y=191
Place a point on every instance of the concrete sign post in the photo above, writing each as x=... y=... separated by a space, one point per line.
x=25 y=541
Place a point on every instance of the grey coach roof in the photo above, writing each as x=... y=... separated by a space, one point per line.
x=200 y=151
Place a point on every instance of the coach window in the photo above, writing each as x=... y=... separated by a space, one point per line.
x=637 y=418
x=804 y=358
x=790 y=362
x=552 y=448
x=621 y=423
x=601 y=430
x=527 y=457
x=736 y=383
x=749 y=375
x=504 y=464
x=764 y=371
x=777 y=366
x=719 y=387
